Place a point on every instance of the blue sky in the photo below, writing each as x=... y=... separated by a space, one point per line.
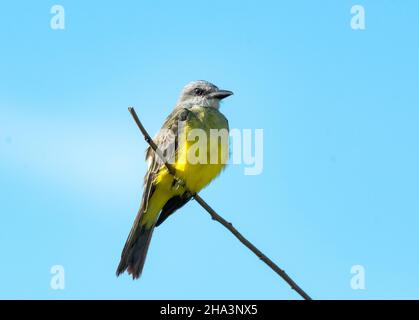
x=339 y=110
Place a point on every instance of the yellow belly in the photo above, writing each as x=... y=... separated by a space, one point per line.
x=197 y=176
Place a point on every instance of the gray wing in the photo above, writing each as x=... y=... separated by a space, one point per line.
x=135 y=248
x=167 y=141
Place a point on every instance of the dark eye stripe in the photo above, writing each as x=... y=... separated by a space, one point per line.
x=199 y=91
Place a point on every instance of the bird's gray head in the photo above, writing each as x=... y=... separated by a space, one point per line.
x=202 y=93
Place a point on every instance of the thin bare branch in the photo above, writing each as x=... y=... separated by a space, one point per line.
x=215 y=216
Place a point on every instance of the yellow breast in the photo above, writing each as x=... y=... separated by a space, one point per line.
x=203 y=148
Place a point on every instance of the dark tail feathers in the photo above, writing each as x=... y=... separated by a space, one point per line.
x=135 y=251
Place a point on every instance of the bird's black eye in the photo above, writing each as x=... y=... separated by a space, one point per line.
x=199 y=91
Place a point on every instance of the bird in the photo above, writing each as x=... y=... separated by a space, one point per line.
x=197 y=110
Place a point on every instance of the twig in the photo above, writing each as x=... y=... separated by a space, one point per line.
x=215 y=216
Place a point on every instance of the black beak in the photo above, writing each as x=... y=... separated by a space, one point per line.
x=220 y=94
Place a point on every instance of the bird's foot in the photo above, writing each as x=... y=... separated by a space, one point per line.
x=179 y=183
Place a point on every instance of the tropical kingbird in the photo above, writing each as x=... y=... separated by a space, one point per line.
x=196 y=110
